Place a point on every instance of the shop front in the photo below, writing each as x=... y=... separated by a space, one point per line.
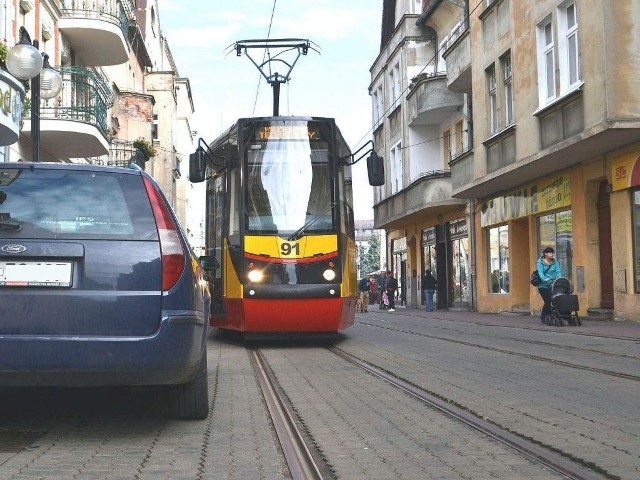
x=625 y=218
x=399 y=268
x=514 y=229
x=445 y=251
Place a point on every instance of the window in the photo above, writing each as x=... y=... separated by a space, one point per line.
x=556 y=230
x=508 y=88
x=394 y=85
x=459 y=137
x=154 y=127
x=563 y=55
x=396 y=167
x=636 y=238
x=378 y=105
x=498 y=259
x=568 y=47
x=460 y=270
x=493 y=100
x=446 y=143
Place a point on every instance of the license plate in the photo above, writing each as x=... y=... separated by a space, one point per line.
x=35 y=274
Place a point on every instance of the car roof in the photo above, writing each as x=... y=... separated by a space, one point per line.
x=71 y=166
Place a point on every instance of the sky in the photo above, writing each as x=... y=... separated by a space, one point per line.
x=226 y=87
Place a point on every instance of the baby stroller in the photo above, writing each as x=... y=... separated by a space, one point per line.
x=564 y=304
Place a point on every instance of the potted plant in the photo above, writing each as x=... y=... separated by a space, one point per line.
x=145 y=148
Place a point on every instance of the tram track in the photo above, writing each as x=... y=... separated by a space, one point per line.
x=563 y=363
x=532 y=328
x=559 y=462
x=300 y=460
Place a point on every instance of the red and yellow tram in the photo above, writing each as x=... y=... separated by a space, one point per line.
x=279 y=226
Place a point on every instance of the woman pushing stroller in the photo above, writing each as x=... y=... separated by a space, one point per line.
x=548 y=270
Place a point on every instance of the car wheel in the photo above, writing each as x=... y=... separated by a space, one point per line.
x=190 y=401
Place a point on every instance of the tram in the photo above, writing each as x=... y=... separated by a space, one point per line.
x=279 y=229
x=279 y=226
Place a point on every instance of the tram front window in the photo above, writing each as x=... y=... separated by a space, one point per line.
x=289 y=188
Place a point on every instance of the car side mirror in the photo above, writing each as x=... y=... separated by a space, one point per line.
x=197 y=166
x=375 y=169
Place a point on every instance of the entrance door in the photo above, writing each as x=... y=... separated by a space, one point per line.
x=444 y=271
x=604 y=232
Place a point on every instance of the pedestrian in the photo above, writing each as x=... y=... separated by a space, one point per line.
x=548 y=269
x=373 y=291
x=363 y=300
x=429 y=284
x=392 y=286
x=382 y=291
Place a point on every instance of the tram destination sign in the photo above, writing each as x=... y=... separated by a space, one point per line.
x=287 y=132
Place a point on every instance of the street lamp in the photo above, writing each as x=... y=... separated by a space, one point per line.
x=26 y=62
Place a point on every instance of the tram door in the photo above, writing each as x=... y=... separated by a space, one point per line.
x=216 y=198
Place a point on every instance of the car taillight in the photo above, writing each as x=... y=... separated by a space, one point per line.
x=173 y=256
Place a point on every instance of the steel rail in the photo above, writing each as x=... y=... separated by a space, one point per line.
x=611 y=373
x=551 y=459
x=301 y=464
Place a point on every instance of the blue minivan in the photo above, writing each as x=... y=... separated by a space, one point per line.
x=98 y=285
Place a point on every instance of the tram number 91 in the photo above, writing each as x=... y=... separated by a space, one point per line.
x=287 y=249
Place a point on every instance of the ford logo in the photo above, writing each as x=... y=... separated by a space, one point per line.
x=13 y=248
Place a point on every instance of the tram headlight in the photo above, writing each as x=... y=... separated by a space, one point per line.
x=329 y=275
x=255 y=276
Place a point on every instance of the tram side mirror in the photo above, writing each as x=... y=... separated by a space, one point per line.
x=197 y=166
x=375 y=169
x=209 y=262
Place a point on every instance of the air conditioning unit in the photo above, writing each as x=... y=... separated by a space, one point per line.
x=27 y=5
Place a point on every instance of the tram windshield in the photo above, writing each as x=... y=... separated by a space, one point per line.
x=289 y=188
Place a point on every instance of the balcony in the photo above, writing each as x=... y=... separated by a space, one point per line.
x=122 y=154
x=457 y=56
x=74 y=124
x=430 y=102
x=98 y=35
x=431 y=191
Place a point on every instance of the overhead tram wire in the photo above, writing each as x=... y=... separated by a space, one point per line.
x=266 y=52
x=433 y=60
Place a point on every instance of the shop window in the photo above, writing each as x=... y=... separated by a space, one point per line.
x=556 y=230
x=429 y=259
x=499 y=259
x=460 y=270
x=636 y=239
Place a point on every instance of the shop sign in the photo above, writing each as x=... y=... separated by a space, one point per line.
x=11 y=96
x=625 y=172
x=429 y=236
x=535 y=198
x=458 y=229
x=399 y=245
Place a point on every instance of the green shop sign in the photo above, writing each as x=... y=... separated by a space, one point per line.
x=531 y=199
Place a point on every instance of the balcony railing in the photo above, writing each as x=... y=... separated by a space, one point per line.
x=111 y=11
x=85 y=97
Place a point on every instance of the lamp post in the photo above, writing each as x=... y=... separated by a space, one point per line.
x=26 y=62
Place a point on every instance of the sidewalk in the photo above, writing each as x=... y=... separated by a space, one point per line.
x=610 y=328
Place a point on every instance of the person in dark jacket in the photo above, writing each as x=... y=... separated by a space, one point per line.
x=392 y=286
x=548 y=269
x=363 y=301
x=429 y=284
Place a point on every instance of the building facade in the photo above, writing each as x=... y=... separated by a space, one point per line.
x=121 y=89
x=419 y=126
x=553 y=158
